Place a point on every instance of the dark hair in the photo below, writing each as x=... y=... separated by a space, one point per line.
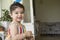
x=15 y=5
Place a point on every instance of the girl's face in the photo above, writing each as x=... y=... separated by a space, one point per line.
x=17 y=14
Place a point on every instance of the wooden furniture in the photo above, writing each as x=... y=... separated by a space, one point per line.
x=1 y=28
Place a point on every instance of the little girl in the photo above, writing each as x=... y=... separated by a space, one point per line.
x=16 y=30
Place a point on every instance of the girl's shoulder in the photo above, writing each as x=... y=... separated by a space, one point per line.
x=12 y=24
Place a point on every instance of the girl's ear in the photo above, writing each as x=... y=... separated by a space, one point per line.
x=10 y=15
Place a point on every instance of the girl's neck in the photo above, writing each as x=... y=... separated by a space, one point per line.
x=17 y=22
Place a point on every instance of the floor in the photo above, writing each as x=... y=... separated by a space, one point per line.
x=48 y=38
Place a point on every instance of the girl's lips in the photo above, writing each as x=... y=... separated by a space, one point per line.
x=19 y=17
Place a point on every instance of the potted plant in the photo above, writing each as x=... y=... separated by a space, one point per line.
x=5 y=19
x=6 y=16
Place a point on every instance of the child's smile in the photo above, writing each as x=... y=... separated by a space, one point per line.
x=17 y=14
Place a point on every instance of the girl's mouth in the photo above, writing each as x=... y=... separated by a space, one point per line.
x=19 y=17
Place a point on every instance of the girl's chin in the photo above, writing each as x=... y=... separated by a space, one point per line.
x=19 y=20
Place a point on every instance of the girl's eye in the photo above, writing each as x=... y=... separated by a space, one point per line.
x=16 y=13
x=22 y=12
